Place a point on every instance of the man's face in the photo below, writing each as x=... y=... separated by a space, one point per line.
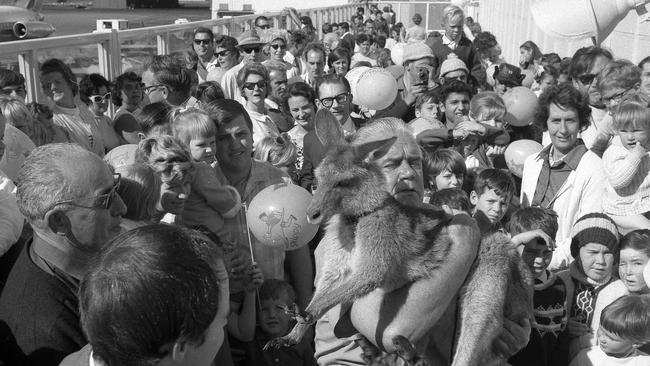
x=585 y=85
x=315 y=63
x=203 y=46
x=335 y=30
x=419 y=71
x=278 y=81
x=369 y=28
x=402 y=170
x=234 y=144
x=340 y=110
x=227 y=58
x=262 y=25
x=645 y=79
x=563 y=127
x=454 y=28
x=252 y=53
x=154 y=91
x=93 y=227
x=14 y=91
x=455 y=107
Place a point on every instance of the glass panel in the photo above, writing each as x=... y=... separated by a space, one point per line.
x=136 y=52
x=180 y=44
x=9 y=62
x=81 y=59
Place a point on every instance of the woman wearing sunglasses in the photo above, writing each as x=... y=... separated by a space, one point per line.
x=253 y=79
x=94 y=91
x=276 y=50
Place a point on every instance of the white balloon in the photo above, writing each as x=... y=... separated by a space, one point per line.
x=376 y=89
x=460 y=3
x=397 y=53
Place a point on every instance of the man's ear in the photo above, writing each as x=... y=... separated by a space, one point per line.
x=441 y=107
x=473 y=198
x=58 y=222
x=417 y=113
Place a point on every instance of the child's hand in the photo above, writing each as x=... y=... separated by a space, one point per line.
x=460 y=133
x=521 y=239
x=576 y=328
x=254 y=278
x=494 y=151
x=638 y=149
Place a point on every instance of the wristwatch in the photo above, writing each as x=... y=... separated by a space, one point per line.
x=450 y=134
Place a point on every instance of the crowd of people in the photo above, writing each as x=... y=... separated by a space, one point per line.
x=123 y=233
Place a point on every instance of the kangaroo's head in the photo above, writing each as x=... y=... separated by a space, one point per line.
x=348 y=183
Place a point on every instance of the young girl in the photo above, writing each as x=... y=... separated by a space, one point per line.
x=633 y=258
x=279 y=152
x=443 y=168
x=489 y=109
x=627 y=188
x=210 y=200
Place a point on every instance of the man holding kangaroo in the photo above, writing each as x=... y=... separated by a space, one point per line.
x=409 y=311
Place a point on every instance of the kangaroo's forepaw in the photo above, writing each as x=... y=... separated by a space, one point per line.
x=297 y=315
x=406 y=351
x=279 y=342
x=371 y=354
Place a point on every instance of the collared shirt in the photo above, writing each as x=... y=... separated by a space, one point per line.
x=555 y=172
x=229 y=82
x=448 y=42
x=263 y=126
x=203 y=70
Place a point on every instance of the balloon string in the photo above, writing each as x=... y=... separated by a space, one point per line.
x=248 y=232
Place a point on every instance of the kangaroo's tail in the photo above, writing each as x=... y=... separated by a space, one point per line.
x=494 y=287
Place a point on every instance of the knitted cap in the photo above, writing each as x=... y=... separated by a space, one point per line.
x=508 y=74
x=416 y=51
x=249 y=38
x=451 y=64
x=594 y=228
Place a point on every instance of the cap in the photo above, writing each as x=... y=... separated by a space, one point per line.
x=249 y=38
x=416 y=51
x=508 y=74
x=594 y=228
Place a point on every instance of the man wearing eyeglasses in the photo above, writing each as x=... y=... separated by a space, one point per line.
x=250 y=46
x=203 y=47
x=68 y=196
x=168 y=81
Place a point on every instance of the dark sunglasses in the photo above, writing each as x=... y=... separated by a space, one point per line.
x=264 y=26
x=99 y=98
x=222 y=53
x=328 y=102
x=586 y=79
x=202 y=41
x=281 y=46
x=251 y=86
x=250 y=49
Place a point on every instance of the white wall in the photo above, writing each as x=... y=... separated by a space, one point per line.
x=275 y=5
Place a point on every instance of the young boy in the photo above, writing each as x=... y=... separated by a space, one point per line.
x=273 y=322
x=549 y=300
x=491 y=197
x=426 y=112
x=443 y=168
x=451 y=200
x=624 y=327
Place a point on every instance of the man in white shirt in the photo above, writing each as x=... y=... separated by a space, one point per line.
x=250 y=47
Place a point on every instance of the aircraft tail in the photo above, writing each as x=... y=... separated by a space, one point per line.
x=34 y=5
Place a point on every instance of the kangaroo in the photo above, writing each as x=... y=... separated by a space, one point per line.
x=382 y=243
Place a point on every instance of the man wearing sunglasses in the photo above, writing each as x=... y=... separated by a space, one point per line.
x=69 y=197
x=250 y=47
x=203 y=48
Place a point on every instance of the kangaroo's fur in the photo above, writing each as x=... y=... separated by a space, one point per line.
x=381 y=243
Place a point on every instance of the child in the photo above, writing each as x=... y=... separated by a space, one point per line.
x=491 y=197
x=451 y=200
x=280 y=152
x=426 y=111
x=489 y=109
x=443 y=168
x=627 y=189
x=210 y=200
x=624 y=327
x=533 y=228
x=634 y=256
x=140 y=190
x=273 y=322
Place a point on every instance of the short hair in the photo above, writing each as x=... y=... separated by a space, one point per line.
x=314 y=46
x=533 y=218
x=55 y=65
x=261 y=17
x=277 y=66
x=155 y=119
x=564 y=96
x=454 y=86
x=14 y=110
x=168 y=158
x=429 y=96
x=227 y=42
x=192 y=123
x=584 y=58
x=551 y=59
x=638 y=240
x=364 y=38
x=326 y=28
x=618 y=74
x=438 y=161
x=497 y=180
x=273 y=289
x=301 y=89
x=296 y=37
x=453 y=197
x=633 y=111
x=338 y=54
x=345 y=26
x=90 y=84
x=224 y=111
x=487 y=105
x=380 y=40
x=549 y=71
x=170 y=72
x=253 y=68
x=450 y=12
x=140 y=190
x=641 y=63
x=209 y=91
x=10 y=78
x=116 y=90
x=628 y=317
x=483 y=42
x=330 y=79
x=279 y=151
x=203 y=30
x=417 y=18
x=127 y=325
x=42 y=181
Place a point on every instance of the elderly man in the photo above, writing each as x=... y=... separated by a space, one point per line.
x=426 y=307
x=234 y=147
x=168 y=81
x=69 y=197
x=276 y=95
x=250 y=47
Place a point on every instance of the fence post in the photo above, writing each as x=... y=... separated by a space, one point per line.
x=162 y=43
x=29 y=69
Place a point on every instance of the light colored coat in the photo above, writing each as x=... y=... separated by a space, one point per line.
x=581 y=193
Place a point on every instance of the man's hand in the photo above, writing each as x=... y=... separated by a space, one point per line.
x=413 y=92
x=473 y=127
x=460 y=133
x=512 y=338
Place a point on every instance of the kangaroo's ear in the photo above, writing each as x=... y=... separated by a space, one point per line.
x=328 y=129
x=374 y=150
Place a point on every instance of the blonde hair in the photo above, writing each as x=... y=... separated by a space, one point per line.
x=279 y=151
x=15 y=110
x=168 y=158
x=633 y=111
x=487 y=105
x=140 y=191
x=450 y=12
x=192 y=123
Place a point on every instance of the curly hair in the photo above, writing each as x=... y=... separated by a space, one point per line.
x=564 y=96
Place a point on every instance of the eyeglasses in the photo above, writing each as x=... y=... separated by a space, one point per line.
x=341 y=98
x=586 y=79
x=202 y=41
x=222 y=53
x=251 y=86
x=102 y=201
x=99 y=98
x=250 y=49
x=149 y=89
x=264 y=26
x=616 y=98
x=281 y=46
